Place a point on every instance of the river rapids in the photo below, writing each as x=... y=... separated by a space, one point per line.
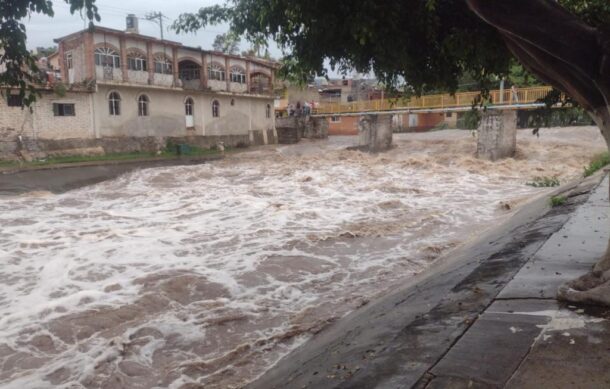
x=205 y=276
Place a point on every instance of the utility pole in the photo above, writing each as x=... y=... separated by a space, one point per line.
x=156 y=17
x=502 y=90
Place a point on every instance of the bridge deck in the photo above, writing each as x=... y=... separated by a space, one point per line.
x=524 y=98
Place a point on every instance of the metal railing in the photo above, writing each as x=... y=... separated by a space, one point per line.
x=463 y=99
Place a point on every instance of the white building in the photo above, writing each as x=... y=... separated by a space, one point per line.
x=123 y=84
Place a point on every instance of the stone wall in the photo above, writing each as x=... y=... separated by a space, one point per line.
x=30 y=148
x=22 y=128
x=292 y=129
x=315 y=128
x=41 y=122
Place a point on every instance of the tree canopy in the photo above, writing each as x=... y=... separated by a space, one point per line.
x=430 y=44
x=227 y=43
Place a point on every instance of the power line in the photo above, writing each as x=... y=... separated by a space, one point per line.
x=156 y=17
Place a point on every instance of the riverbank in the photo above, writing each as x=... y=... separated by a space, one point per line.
x=62 y=177
x=486 y=317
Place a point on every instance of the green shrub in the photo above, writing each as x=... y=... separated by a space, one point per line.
x=557 y=201
x=598 y=162
x=469 y=120
x=543 y=182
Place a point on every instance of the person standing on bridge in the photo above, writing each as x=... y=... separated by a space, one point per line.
x=306 y=109
x=514 y=94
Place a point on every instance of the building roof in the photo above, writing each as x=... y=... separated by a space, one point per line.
x=116 y=32
x=112 y=31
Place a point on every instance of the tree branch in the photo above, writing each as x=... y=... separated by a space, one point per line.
x=560 y=75
x=547 y=26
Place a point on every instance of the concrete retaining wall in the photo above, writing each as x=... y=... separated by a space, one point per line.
x=29 y=148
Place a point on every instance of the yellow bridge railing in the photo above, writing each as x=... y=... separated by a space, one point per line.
x=463 y=99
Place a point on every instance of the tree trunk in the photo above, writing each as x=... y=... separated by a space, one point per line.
x=604 y=264
x=573 y=57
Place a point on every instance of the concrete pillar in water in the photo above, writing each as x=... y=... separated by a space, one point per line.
x=497 y=135
x=375 y=133
x=316 y=128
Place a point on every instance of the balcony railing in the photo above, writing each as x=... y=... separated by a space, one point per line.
x=261 y=89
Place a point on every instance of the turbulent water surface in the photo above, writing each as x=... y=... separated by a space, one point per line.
x=207 y=275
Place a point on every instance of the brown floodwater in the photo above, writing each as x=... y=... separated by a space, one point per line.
x=206 y=275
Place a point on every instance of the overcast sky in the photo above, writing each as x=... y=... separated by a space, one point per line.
x=42 y=30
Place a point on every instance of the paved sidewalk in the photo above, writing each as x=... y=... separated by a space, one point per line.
x=525 y=338
x=486 y=318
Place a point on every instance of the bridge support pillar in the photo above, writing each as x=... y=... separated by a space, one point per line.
x=375 y=133
x=497 y=135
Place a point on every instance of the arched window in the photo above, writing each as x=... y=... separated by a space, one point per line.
x=238 y=75
x=188 y=106
x=216 y=72
x=136 y=61
x=215 y=108
x=114 y=103
x=105 y=56
x=143 y=105
x=162 y=64
x=268 y=111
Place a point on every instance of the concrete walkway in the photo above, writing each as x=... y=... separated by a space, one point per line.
x=525 y=338
x=485 y=318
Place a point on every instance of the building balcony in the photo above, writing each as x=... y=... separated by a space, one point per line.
x=260 y=89
x=138 y=76
x=108 y=73
x=190 y=79
x=163 y=79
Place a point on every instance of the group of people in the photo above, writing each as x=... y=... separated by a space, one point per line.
x=300 y=110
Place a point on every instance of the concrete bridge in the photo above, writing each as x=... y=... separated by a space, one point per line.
x=496 y=133
x=507 y=99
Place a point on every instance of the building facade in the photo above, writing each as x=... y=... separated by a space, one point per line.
x=123 y=84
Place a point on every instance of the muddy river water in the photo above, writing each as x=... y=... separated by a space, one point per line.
x=204 y=276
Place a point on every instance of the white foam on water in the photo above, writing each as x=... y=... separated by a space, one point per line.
x=211 y=273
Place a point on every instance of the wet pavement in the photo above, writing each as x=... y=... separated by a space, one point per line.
x=488 y=318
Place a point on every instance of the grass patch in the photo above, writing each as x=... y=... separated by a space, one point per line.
x=543 y=182
x=172 y=150
x=91 y=158
x=597 y=163
x=557 y=201
x=8 y=163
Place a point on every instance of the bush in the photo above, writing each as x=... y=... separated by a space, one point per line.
x=597 y=163
x=469 y=120
x=557 y=201
x=544 y=182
